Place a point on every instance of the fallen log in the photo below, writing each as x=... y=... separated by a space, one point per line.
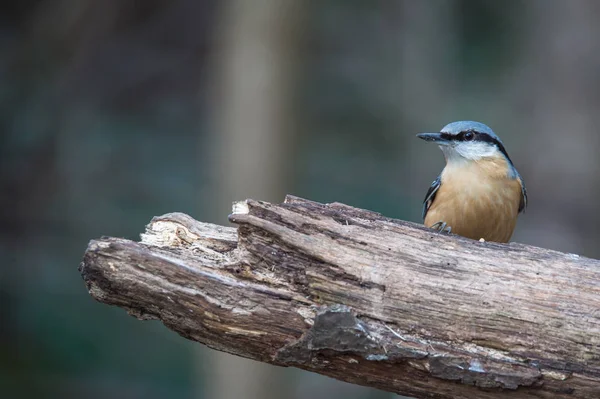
x=366 y=299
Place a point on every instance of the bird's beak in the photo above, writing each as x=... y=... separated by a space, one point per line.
x=435 y=137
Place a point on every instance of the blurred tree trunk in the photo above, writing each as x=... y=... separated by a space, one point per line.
x=252 y=74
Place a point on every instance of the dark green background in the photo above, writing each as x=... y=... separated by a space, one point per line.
x=107 y=119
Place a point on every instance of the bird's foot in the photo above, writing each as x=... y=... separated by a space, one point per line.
x=442 y=227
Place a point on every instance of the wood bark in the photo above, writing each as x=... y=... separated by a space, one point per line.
x=366 y=299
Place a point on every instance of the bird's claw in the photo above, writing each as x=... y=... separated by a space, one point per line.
x=442 y=227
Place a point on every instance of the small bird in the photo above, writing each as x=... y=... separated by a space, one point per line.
x=479 y=193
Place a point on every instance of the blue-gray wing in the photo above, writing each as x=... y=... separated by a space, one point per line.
x=523 y=203
x=430 y=196
x=514 y=174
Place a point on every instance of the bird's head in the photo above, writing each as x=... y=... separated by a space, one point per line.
x=466 y=141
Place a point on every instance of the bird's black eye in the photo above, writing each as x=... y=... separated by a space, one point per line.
x=468 y=136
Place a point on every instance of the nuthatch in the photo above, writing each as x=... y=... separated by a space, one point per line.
x=479 y=194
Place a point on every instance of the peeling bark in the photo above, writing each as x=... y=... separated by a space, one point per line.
x=365 y=299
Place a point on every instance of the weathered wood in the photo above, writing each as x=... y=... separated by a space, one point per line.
x=366 y=299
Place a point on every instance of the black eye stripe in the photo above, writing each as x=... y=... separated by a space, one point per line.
x=484 y=137
x=477 y=136
x=472 y=135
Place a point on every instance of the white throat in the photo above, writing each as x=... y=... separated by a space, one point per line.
x=468 y=151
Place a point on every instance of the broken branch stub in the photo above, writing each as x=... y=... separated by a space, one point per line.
x=366 y=299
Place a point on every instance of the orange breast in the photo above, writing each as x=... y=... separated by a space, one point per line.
x=477 y=201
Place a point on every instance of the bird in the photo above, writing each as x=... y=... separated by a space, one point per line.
x=479 y=193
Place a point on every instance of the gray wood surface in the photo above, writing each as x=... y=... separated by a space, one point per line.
x=366 y=299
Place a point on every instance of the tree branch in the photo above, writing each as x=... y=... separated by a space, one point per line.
x=366 y=299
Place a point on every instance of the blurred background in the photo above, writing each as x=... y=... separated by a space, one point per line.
x=114 y=111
